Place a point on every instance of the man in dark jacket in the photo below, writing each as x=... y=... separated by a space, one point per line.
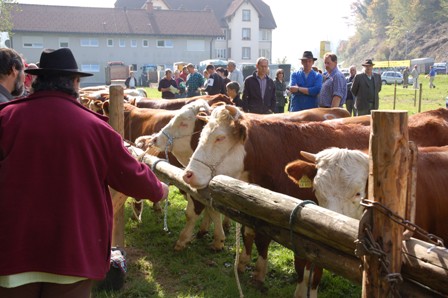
x=365 y=89
x=214 y=81
x=350 y=100
x=259 y=90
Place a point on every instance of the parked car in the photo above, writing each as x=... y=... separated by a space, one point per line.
x=390 y=77
x=441 y=67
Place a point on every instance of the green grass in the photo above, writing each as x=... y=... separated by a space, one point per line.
x=405 y=98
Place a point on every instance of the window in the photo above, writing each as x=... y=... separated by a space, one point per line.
x=110 y=42
x=164 y=43
x=229 y=51
x=121 y=43
x=133 y=43
x=33 y=42
x=195 y=45
x=223 y=37
x=265 y=35
x=246 y=15
x=221 y=53
x=246 y=33
x=264 y=53
x=145 y=43
x=89 y=42
x=246 y=53
x=63 y=42
x=229 y=34
x=90 y=67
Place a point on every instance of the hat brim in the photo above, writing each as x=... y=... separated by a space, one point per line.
x=367 y=64
x=304 y=58
x=61 y=72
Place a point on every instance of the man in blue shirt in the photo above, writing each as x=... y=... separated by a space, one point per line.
x=432 y=76
x=305 y=85
x=194 y=81
x=334 y=87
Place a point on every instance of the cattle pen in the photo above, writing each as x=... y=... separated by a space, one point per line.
x=312 y=232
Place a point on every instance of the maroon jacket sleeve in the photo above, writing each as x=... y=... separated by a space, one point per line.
x=131 y=177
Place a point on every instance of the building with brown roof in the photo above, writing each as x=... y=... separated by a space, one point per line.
x=150 y=32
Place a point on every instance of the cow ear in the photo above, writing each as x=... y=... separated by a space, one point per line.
x=301 y=172
x=234 y=112
x=202 y=116
x=308 y=156
x=105 y=107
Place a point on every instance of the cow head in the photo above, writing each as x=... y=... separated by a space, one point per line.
x=220 y=149
x=176 y=136
x=340 y=178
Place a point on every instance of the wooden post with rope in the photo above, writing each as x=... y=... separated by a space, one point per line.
x=116 y=120
x=388 y=174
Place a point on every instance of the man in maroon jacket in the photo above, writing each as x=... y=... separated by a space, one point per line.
x=57 y=160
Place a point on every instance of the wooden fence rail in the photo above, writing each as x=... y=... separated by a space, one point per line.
x=320 y=235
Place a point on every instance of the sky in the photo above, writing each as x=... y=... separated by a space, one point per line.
x=301 y=25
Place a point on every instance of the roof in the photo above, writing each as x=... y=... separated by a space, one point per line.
x=98 y=20
x=221 y=8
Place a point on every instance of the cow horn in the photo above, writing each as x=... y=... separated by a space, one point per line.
x=308 y=156
x=202 y=116
x=232 y=109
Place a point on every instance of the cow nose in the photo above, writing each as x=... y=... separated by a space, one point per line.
x=188 y=176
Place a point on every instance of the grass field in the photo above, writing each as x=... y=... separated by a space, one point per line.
x=156 y=270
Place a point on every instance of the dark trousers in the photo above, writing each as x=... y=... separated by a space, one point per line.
x=79 y=289
x=349 y=106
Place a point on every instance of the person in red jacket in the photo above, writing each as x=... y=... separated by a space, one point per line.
x=57 y=161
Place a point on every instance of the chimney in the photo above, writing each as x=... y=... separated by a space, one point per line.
x=148 y=6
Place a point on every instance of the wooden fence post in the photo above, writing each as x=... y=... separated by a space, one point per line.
x=395 y=94
x=388 y=174
x=116 y=120
x=420 y=98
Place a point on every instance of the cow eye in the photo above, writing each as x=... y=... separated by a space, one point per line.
x=220 y=139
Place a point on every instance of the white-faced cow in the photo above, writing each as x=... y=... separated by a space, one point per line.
x=257 y=151
x=180 y=137
x=340 y=179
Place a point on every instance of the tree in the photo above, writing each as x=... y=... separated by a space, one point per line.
x=6 y=6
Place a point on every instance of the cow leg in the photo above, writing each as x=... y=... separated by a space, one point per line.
x=218 y=235
x=248 y=241
x=156 y=207
x=303 y=269
x=137 y=209
x=226 y=223
x=205 y=224
x=192 y=214
x=261 y=266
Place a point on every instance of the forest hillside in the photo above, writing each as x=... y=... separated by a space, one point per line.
x=397 y=30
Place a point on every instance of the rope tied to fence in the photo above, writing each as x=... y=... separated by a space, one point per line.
x=292 y=222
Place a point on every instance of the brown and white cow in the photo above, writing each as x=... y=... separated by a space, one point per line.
x=340 y=179
x=175 y=104
x=180 y=137
x=257 y=151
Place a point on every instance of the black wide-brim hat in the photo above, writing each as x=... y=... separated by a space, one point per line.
x=58 y=62
x=368 y=62
x=308 y=55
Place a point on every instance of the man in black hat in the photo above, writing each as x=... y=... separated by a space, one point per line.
x=365 y=89
x=305 y=85
x=57 y=161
